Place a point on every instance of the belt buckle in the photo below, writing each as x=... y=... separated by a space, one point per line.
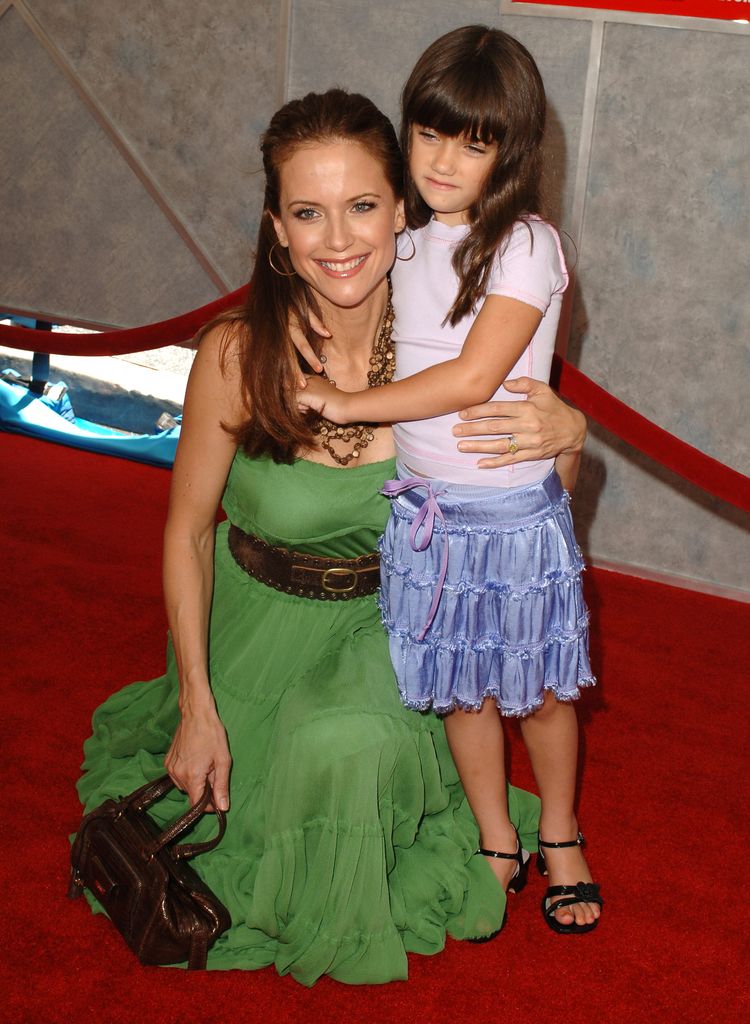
x=339 y=573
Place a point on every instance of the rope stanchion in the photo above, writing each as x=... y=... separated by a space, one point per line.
x=617 y=417
x=661 y=446
x=175 y=331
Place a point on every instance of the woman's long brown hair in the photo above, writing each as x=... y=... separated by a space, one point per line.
x=267 y=357
x=481 y=83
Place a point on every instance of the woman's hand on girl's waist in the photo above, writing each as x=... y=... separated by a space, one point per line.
x=541 y=427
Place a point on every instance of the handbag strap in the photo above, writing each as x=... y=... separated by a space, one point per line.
x=145 y=796
x=142 y=798
x=191 y=849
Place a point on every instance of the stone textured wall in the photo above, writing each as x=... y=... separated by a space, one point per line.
x=662 y=318
x=131 y=191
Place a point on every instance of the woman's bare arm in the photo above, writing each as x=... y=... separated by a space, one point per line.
x=199 y=749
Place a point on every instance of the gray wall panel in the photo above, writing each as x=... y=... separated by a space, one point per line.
x=665 y=259
x=561 y=49
x=370 y=47
x=78 y=233
x=191 y=85
x=663 y=319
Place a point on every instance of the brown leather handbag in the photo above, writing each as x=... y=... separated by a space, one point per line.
x=160 y=906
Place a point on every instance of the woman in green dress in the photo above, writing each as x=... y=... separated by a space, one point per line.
x=349 y=840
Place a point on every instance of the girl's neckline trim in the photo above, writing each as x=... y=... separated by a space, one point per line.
x=446 y=232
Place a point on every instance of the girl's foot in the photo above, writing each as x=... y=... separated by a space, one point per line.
x=506 y=858
x=565 y=865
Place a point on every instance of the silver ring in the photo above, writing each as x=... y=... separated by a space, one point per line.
x=512 y=445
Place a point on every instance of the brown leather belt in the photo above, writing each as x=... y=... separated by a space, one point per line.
x=324 y=579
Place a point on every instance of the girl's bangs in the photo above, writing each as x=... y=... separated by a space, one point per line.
x=470 y=109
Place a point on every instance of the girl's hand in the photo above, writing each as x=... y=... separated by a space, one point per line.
x=302 y=345
x=543 y=426
x=312 y=394
x=200 y=751
x=322 y=397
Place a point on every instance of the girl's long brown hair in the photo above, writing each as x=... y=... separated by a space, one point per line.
x=481 y=83
x=267 y=356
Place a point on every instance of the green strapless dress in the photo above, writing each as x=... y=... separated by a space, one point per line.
x=349 y=840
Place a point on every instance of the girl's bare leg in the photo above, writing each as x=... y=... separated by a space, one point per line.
x=478 y=748
x=551 y=738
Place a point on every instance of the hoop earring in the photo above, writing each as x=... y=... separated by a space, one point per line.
x=281 y=273
x=405 y=259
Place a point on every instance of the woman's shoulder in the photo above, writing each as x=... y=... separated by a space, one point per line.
x=220 y=348
x=217 y=368
x=223 y=338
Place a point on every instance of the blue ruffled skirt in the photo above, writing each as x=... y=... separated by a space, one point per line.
x=510 y=621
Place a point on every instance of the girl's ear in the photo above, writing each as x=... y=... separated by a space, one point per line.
x=280 y=233
x=400 y=217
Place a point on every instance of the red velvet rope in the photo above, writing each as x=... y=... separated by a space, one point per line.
x=688 y=462
x=175 y=331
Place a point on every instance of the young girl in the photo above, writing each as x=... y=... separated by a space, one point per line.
x=481 y=592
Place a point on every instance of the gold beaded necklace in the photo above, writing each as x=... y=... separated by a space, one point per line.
x=382 y=365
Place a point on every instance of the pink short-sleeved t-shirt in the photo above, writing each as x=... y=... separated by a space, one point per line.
x=530 y=268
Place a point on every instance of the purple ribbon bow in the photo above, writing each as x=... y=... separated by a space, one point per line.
x=424 y=520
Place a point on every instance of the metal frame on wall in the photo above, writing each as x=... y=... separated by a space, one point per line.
x=661 y=20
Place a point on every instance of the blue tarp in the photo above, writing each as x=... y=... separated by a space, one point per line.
x=22 y=412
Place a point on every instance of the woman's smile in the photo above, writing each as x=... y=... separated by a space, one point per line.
x=343 y=268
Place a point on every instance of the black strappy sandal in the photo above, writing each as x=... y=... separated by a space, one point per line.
x=517 y=882
x=581 y=892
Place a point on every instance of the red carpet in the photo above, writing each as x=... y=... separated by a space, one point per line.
x=662 y=796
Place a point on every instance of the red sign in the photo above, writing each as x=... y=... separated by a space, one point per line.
x=723 y=10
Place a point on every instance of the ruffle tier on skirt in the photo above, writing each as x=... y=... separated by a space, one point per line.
x=511 y=621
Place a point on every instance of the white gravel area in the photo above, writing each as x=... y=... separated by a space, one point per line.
x=161 y=373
